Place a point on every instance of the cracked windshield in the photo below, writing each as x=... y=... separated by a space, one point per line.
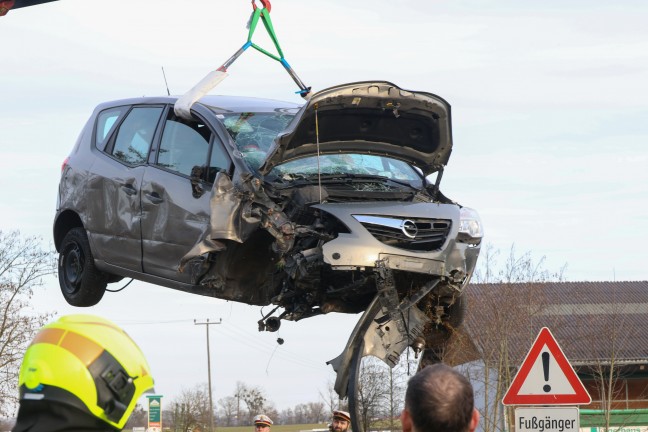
x=254 y=134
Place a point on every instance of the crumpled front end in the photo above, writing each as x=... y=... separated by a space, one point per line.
x=412 y=237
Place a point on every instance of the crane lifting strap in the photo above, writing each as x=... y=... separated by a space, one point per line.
x=184 y=103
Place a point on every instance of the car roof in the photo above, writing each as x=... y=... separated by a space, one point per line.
x=217 y=103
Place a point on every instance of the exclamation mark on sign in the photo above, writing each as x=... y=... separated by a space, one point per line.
x=545 y=368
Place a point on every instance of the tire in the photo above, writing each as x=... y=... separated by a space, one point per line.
x=457 y=311
x=82 y=284
x=354 y=377
x=354 y=372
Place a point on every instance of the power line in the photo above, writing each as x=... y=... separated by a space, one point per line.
x=242 y=337
x=250 y=340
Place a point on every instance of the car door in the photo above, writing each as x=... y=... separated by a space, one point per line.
x=115 y=180
x=175 y=205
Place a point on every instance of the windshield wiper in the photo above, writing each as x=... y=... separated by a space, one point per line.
x=295 y=179
x=356 y=178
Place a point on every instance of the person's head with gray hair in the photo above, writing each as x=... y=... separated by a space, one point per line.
x=439 y=398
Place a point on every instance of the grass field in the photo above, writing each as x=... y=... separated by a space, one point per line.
x=289 y=428
x=275 y=428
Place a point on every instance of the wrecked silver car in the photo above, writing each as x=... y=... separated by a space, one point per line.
x=336 y=204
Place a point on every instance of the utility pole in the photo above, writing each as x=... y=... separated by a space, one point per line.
x=211 y=403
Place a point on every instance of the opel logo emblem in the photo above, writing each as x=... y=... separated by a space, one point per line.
x=409 y=228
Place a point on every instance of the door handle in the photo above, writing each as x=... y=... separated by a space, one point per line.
x=154 y=197
x=129 y=189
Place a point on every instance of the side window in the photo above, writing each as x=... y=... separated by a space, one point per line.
x=135 y=135
x=184 y=145
x=106 y=121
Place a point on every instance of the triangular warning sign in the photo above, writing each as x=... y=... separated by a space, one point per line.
x=546 y=377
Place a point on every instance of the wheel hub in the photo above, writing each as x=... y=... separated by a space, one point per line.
x=73 y=268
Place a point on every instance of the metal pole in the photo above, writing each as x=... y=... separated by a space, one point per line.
x=211 y=403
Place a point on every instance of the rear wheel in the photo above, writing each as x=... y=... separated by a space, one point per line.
x=82 y=284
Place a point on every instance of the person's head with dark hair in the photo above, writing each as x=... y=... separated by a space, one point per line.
x=438 y=398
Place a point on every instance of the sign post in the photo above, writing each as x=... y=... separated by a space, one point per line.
x=546 y=378
x=154 y=413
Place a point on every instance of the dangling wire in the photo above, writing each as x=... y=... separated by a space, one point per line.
x=117 y=290
x=280 y=342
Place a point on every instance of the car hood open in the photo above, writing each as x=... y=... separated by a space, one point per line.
x=370 y=117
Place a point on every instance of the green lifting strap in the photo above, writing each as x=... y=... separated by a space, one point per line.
x=183 y=104
x=267 y=23
x=263 y=13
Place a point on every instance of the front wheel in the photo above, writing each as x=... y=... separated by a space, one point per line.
x=355 y=403
x=82 y=284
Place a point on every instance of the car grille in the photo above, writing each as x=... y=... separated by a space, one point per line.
x=410 y=234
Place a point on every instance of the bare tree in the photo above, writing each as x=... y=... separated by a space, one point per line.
x=304 y=413
x=238 y=394
x=191 y=409
x=255 y=401
x=508 y=317
x=315 y=412
x=395 y=380
x=271 y=411
x=516 y=268
x=382 y=389
x=330 y=397
x=300 y=414
x=371 y=392
x=228 y=410
x=510 y=314
x=287 y=416
x=23 y=265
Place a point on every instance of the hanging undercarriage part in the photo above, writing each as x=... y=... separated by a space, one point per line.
x=270 y=323
x=212 y=79
x=385 y=330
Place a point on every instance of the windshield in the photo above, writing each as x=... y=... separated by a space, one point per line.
x=254 y=132
x=347 y=164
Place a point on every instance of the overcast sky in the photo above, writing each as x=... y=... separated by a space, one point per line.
x=549 y=107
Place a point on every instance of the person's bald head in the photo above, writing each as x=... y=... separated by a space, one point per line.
x=438 y=398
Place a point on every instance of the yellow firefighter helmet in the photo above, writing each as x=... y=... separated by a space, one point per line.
x=89 y=363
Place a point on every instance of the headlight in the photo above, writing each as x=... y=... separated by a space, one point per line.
x=470 y=224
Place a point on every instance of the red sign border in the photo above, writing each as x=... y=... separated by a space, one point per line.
x=581 y=396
